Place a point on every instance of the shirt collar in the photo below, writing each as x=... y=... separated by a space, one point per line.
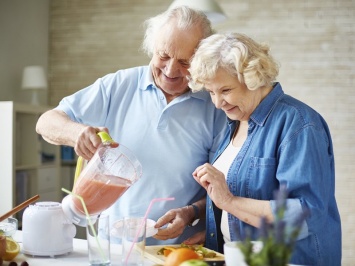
x=263 y=110
x=148 y=81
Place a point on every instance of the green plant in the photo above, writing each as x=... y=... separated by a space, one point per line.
x=278 y=238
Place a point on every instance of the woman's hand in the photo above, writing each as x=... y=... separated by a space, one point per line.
x=215 y=184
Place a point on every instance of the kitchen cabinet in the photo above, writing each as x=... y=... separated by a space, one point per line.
x=28 y=164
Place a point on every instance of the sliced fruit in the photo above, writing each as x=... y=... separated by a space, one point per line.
x=12 y=249
x=2 y=246
x=165 y=250
x=180 y=255
x=194 y=263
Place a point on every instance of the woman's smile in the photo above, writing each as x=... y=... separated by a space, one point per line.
x=230 y=110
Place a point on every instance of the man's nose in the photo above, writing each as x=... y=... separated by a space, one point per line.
x=172 y=68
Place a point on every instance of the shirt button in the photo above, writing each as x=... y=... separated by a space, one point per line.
x=210 y=207
x=212 y=234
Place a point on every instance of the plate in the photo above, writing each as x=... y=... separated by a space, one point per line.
x=116 y=230
x=151 y=254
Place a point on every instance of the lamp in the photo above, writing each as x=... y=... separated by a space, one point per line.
x=212 y=10
x=35 y=79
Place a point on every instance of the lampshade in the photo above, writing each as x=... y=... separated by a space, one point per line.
x=212 y=10
x=34 y=78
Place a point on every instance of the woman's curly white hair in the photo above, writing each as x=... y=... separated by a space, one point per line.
x=236 y=53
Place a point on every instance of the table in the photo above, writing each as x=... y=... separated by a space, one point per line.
x=78 y=257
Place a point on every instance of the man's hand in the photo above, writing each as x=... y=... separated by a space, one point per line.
x=57 y=128
x=176 y=221
x=88 y=141
x=198 y=238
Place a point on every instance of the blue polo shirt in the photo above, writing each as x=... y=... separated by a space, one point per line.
x=170 y=140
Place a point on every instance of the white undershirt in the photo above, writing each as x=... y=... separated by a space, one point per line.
x=223 y=164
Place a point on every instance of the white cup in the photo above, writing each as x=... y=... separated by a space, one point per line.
x=233 y=256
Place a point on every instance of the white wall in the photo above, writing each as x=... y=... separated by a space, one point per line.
x=23 y=41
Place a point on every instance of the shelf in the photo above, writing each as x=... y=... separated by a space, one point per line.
x=23 y=157
x=34 y=166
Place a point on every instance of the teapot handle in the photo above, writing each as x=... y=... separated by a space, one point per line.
x=105 y=139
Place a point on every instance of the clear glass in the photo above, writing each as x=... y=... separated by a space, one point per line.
x=98 y=238
x=9 y=226
x=133 y=241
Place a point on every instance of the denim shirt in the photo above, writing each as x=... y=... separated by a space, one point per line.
x=288 y=142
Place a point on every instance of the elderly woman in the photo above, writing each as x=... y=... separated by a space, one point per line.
x=273 y=139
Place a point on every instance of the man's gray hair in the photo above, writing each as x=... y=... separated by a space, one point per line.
x=185 y=19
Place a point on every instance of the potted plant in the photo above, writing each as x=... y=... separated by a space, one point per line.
x=278 y=238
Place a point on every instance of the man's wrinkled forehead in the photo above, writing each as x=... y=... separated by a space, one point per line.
x=177 y=42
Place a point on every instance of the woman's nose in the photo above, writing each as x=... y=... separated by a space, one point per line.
x=218 y=101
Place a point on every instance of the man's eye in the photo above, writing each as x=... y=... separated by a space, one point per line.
x=184 y=63
x=226 y=91
x=164 y=57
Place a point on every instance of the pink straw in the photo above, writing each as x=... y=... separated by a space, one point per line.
x=143 y=222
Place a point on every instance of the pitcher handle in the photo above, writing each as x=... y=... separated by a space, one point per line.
x=79 y=167
x=105 y=139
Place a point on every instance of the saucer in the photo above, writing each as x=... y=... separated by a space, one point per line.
x=117 y=226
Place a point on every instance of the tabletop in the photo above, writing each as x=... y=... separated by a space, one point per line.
x=78 y=257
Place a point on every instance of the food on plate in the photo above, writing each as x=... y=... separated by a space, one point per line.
x=179 y=255
x=194 y=263
x=12 y=249
x=199 y=249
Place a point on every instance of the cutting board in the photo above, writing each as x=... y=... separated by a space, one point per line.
x=151 y=254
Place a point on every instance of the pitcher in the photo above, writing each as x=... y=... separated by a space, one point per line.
x=109 y=173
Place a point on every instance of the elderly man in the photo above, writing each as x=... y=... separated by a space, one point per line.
x=150 y=110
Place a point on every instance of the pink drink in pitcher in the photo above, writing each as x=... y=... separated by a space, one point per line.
x=99 y=192
x=109 y=173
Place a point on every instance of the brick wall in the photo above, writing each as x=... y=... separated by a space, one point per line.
x=312 y=40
